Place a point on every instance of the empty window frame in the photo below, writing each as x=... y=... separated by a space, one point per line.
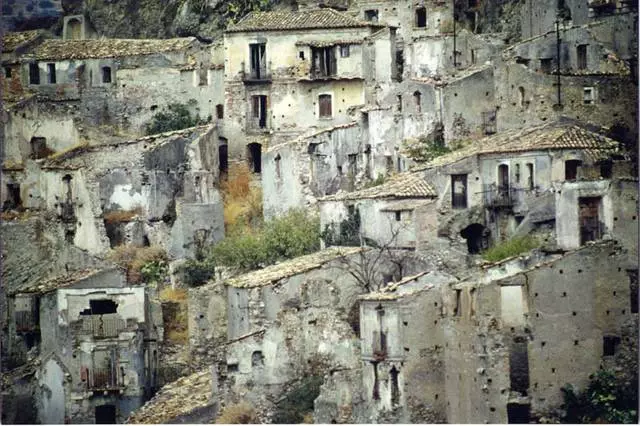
x=421 y=17
x=258 y=61
x=254 y=157
x=51 y=73
x=571 y=169
x=417 y=100
x=34 y=74
x=591 y=227
x=324 y=61
x=531 y=183
x=7 y=72
x=610 y=345
x=581 y=52
x=324 y=106
x=106 y=75
x=344 y=51
x=259 y=111
x=459 y=191
x=220 y=111
x=588 y=95
x=546 y=65
x=371 y=15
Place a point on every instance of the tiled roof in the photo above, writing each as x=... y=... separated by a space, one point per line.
x=306 y=20
x=327 y=43
x=410 y=286
x=106 y=48
x=61 y=281
x=11 y=41
x=547 y=137
x=175 y=399
x=403 y=185
x=274 y=273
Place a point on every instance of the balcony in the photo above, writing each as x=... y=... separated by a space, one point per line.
x=501 y=197
x=103 y=379
x=260 y=75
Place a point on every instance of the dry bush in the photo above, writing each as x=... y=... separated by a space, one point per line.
x=238 y=184
x=308 y=418
x=133 y=258
x=119 y=216
x=236 y=414
x=242 y=201
x=170 y=294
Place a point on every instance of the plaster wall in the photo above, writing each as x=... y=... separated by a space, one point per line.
x=52 y=389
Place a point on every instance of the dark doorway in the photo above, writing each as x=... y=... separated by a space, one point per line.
x=571 y=169
x=106 y=74
x=518 y=413
x=13 y=200
x=259 y=111
x=519 y=365
x=105 y=414
x=459 y=191
x=503 y=177
x=477 y=237
x=254 y=156
x=395 y=388
x=34 y=74
x=39 y=148
x=589 y=220
x=258 y=61
x=421 y=17
x=223 y=156
x=220 y=111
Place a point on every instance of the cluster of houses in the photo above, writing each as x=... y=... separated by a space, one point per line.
x=397 y=313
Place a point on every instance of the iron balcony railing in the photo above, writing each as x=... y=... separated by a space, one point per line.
x=501 y=196
x=256 y=75
x=103 y=379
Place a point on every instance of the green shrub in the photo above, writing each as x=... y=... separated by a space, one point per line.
x=291 y=235
x=154 y=272
x=426 y=147
x=347 y=232
x=607 y=399
x=174 y=117
x=512 y=247
x=298 y=402
x=198 y=272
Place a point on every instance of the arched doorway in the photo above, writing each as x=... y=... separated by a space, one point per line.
x=477 y=237
x=74 y=29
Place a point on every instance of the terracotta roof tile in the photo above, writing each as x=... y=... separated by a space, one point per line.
x=306 y=20
x=106 y=48
x=546 y=137
x=404 y=185
x=11 y=41
x=274 y=273
x=177 y=398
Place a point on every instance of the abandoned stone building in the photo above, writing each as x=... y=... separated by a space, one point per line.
x=159 y=190
x=286 y=73
x=400 y=213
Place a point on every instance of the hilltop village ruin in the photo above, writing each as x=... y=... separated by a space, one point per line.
x=419 y=135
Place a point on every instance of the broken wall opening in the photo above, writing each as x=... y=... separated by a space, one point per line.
x=477 y=237
x=105 y=414
x=591 y=228
x=395 y=388
x=13 y=200
x=254 y=157
x=100 y=307
x=518 y=413
x=223 y=155
x=519 y=365
x=39 y=148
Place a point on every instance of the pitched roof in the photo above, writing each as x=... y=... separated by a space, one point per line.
x=304 y=20
x=176 y=398
x=547 y=137
x=106 y=48
x=64 y=280
x=410 y=285
x=274 y=273
x=11 y=41
x=403 y=185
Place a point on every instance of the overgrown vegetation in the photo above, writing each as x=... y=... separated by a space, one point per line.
x=242 y=202
x=607 y=399
x=238 y=414
x=198 y=271
x=510 y=248
x=174 y=116
x=344 y=233
x=377 y=181
x=298 y=403
x=175 y=314
x=291 y=235
x=143 y=264
x=426 y=147
x=119 y=216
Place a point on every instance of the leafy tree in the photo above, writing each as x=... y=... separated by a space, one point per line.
x=175 y=116
x=607 y=399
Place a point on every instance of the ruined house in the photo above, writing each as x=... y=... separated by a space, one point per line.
x=399 y=213
x=488 y=188
x=115 y=84
x=157 y=190
x=288 y=72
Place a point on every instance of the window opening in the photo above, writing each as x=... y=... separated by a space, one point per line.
x=457 y=311
x=277 y=160
x=395 y=388
x=517 y=173
x=101 y=307
x=376 y=383
x=301 y=55
x=399 y=103
x=13 y=200
x=371 y=15
x=589 y=97
x=7 y=72
x=389 y=164
x=518 y=413
x=324 y=61
x=105 y=414
x=34 y=74
x=39 y=147
x=344 y=51
x=258 y=65
x=519 y=365
x=421 y=17
x=203 y=79
x=223 y=155
x=477 y=237
x=259 y=111
x=590 y=226
x=459 y=191
x=489 y=122
x=473 y=56
x=257 y=359
x=51 y=73
x=546 y=65
x=581 y=51
x=398 y=216
x=106 y=74
x=606 y=169
x=324 y=102
x=254 y=155
x=353 y=164
x=417 y=100
x=220 y=111
x=530 y=177
x=610 y=345
x=521 y=92
x=571 y=169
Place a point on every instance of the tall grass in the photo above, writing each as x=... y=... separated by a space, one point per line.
x=242 y=202
x=510 y=248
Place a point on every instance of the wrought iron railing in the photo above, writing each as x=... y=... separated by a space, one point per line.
x=501 y=196
x=103 y=326
x=103 y=379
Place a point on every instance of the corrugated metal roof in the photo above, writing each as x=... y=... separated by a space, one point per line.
x=305 y=20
